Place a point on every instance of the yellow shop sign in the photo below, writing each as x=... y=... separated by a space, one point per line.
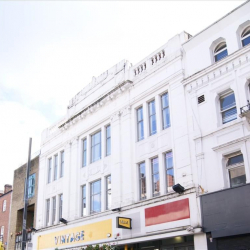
x=122 y=222
x=76 y=235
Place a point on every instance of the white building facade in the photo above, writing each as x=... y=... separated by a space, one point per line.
x=134 y=132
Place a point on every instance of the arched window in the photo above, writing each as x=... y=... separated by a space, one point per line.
x=245 y=36
x=220 y=51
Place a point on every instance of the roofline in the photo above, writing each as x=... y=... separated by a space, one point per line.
x=229 y=13
x=6 y=193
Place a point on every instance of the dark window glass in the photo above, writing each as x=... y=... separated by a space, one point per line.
x=165 y=111
x=96 y=147
x=140 y=127
x=142 y=180
x=95 y=197
x=155 y=177
x=152 y=118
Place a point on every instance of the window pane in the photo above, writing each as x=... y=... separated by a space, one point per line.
x=152 y=107
x=55 y=166
x=229 y=115
x=96 y=146
x=62 y=164
x=221 y=55
x=96 y=196
x=237 y=176
x=235 y=159
x=164 y=99
x=139 y=114
x=142 y=181
x=246 y=41
x=166 y=118
x=108 y=192
x=155 y=176
x=170 y=177
x=108 y=146
x=108 y=131
x=108 y=141
x=152 y=124
x=227 y=102
x=169 y=160
x=140 y=131
x=84 y=209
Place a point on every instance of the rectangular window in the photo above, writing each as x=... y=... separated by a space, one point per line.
x=165 y=111
x=84 y=152
x=140 y=127
x=47 y=211
x=95 y=197
x=169 y=167
x=108 y=140
x=53 y=210
x=62 y=164
x=49 y=169
x=152 y=117
x=236 y=169
x=96 y=147
x=108 y=192
x=84 y=207
x=155 y=176
x=60 y=205
x=31 y=185
x=55 y=166
x=2 y=232
x=228 y=108
x=4 y=205
x=142 y=181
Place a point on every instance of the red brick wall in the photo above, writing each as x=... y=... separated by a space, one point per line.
x=4 y=216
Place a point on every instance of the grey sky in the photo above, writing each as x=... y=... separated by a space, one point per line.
x=50 y=50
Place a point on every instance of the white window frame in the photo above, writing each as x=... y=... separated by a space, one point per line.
x=140 y=181
x=47 y=215
x=150 y=115
x=217 y=50
x=137 y=124
x=222 y=111
x=234 y=166
x=108 y=191
x=62 y=163
x=106 y=140
x=54 y=210
x=55 y=167
x=246 y=29
x=49 y=170
x=84 y=150
x=92 y=195
x=84 y=200
x=4 y=205
x=97 y=144
x=60 y=209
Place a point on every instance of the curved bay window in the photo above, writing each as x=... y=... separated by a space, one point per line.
x=245 y=36
x=220 y=51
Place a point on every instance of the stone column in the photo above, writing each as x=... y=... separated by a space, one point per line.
x=116 y=170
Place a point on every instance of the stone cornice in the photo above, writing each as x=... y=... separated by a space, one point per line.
x=95 y=105
x=218 y=69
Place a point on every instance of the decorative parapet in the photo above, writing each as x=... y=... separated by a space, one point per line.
x=215 y=71
x=96 y=105
x=100 y=81
x=158 y=57
x=140 y=68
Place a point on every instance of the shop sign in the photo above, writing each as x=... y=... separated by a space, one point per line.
x=76 y=235
x=122 y=222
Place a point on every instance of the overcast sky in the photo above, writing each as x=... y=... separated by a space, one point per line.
x=50 y=50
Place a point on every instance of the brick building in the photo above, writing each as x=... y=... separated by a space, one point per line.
x=5 y=205
x=16 y=217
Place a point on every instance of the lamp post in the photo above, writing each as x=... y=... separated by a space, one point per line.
x=24 y=231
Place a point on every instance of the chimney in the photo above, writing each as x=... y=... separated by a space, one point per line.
x=1 y=193
x=7 y=188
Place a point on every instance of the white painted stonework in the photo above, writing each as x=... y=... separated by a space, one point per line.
x=183 y=68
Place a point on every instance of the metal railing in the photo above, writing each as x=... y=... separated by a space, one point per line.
x=245 y=109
